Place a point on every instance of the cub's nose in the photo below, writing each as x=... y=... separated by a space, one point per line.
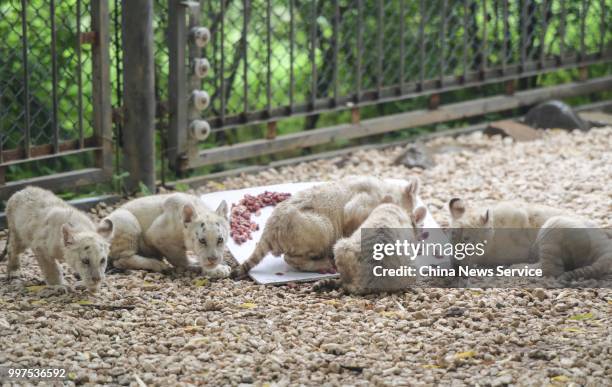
x=212 y=259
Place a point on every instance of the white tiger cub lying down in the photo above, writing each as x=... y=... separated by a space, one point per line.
x=571 y=248
x=153 y=227
x=499 y=225
x=305 y=227
x=392 y=223
x=56 y=232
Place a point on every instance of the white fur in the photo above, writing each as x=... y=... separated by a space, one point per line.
x=56 y=231
x=170 y=226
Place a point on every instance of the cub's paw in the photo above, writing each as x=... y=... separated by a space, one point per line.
x=239 y=272
x=55 y=290
x=220 y=271
x=160 y=266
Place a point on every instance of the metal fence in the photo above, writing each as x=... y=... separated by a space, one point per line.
x=271 y=63
x=272 y=60
x=52 y=81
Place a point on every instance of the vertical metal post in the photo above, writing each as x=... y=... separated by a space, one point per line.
x=313 y=55
x=222 y=71
x=336 y=33
x=485 y=38
x=602 y=27
x=562 y=32
x=245 y=59
x=102 y=113
x=359 y=48
x=506 y=32
x=79 y=75
x=465 y=40
x=442 y=42
x=139 y=93
x=421 y=44
x=291 y=54
x=54 y=120
x=583 y=15
x=26 y=78
x=379 y=47
x=268 y=56
x=524 y=23
x=177 y=83
x=543 y=32
x=402 y=45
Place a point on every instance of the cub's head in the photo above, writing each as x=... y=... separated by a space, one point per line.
x=469 y=225
x=206 y=234
x=87 y=252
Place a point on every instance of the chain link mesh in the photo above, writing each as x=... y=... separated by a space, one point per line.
x=26 y=73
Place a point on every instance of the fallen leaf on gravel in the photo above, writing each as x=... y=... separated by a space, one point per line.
x=84 y=302
x=72 y=375
x=35 y=288
x=576 y=330
x=389 y=313
x=465 y=355
x=560 y=378
x=582 y=316
x=430 y=366
x=331 y=302
x=192 y=328
x=248 y=305
x=38 y=302
x=200 y=282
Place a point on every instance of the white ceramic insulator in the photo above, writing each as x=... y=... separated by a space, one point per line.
x=201 y=99
x=201 y=67
x=200 y=129
x=201 y=36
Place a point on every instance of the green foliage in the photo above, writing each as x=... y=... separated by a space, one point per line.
x=464 y=19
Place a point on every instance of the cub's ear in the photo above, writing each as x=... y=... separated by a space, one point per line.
x=222 y=209
x=106 y=229
x=485 y=218
x=456 y=207
x=68 y=234
x=419 y=215
x=188 y=214
x=413 y=186
x=410 y=193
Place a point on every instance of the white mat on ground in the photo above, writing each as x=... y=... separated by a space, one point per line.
x=274 y=270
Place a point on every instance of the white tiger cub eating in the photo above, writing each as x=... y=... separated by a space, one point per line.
x=56 y=232
x=389 y=223
x=305 y=227
x=153 y=227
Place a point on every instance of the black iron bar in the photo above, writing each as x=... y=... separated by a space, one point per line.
x=26 y=77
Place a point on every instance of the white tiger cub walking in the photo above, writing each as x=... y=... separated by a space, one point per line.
x=56 y=232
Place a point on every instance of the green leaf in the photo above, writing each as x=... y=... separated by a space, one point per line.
x=582 y=316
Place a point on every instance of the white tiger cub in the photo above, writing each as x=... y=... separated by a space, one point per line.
x=305 y=227
x=509 y=229
x=56 y=232
x=389 y=223
x=571 y=248
x=170 y=225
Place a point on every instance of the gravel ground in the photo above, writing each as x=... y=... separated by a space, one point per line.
x=181 y=329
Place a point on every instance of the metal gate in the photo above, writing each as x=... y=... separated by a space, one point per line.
x=347 y=54
x=54 y=94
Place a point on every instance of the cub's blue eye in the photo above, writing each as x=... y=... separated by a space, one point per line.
x=220 y=241
x=85 y=261
x=203 y=242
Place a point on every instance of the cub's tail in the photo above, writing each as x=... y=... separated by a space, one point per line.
x=326 y=285
x=5 y=251
x=261 y=250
